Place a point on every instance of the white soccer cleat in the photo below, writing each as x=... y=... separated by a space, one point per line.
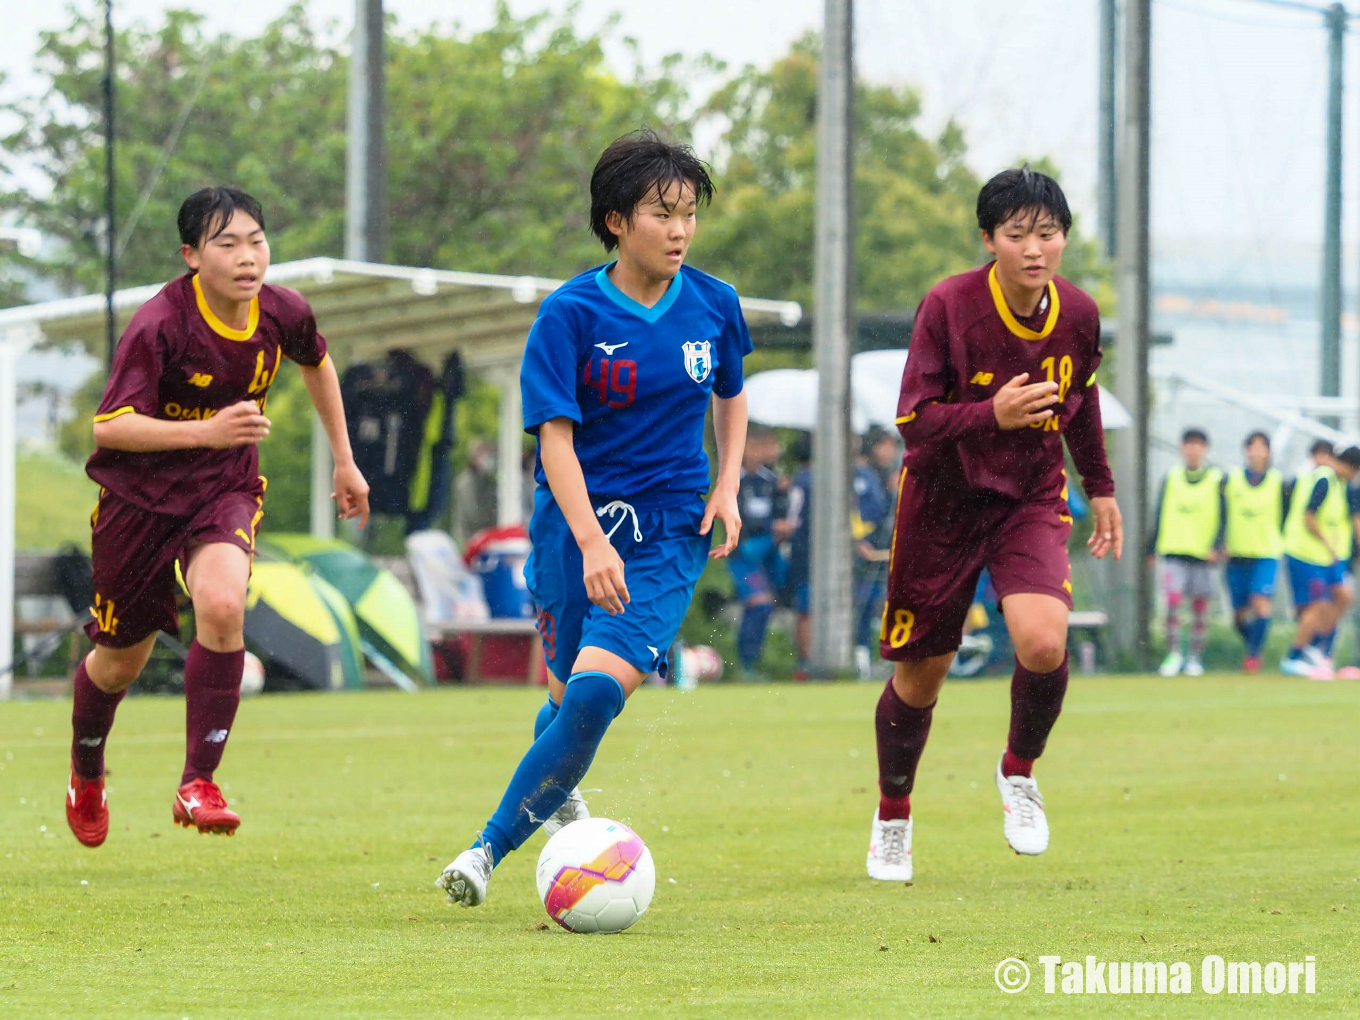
x=1193 y=667
x=1026 y=825
x=1304 y=668
x=1172 y=665
x=1317 y=657
x=466 y=878
x=574 y=810
x=889 y=857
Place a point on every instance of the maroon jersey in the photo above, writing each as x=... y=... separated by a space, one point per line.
x=966 y=344
x=178 y=362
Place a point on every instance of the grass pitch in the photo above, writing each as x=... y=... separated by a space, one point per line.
x=1189 y=818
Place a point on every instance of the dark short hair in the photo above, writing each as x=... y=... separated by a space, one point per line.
x=1021 y=191
x=1321 y=446
x=1195 y=436
x=1253 y=436
x=634 y=166
x=1350 y=456
x=206 y=213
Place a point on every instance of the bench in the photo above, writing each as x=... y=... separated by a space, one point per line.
x=493 y=651
x=1088 y=624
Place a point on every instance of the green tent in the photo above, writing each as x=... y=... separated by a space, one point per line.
x=297 y=621
x=389 y=623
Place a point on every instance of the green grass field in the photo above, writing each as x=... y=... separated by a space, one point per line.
x=1189 y=818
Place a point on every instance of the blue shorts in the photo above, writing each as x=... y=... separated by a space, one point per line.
x=1248 y=578
x=661 y=568
x=1310 y=582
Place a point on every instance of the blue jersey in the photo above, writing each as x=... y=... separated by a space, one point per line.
x=636 y=380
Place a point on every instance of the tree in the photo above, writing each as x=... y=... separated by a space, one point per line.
x=915 y=197
x=491 y=138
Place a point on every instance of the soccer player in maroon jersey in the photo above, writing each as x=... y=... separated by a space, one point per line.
x=1002 y=369
x=178 y=471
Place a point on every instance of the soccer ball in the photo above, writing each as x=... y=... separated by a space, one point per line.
x=596 y=876
x=252 y=676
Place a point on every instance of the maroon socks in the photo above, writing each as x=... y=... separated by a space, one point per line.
x=1036 y=701
x=212 y=692
x=902 y=732
x=91 y=719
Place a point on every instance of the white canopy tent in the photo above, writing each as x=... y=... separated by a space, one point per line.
x=787 y=397
x=364 y=310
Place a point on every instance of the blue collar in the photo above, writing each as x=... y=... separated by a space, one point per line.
x=648 y=315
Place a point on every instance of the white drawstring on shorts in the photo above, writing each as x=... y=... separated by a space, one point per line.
x=618 y=508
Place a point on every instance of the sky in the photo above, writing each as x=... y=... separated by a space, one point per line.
x=1238 y=94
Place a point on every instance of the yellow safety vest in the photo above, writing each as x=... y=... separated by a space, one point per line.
x=1255 y=516
x=1333 y=519
x=1190 y=514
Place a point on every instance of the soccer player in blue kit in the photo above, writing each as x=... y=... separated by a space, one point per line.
x=617 y=377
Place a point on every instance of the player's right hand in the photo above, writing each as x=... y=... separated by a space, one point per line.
x=240 y=424
x=1018 y=406
x=604 y=575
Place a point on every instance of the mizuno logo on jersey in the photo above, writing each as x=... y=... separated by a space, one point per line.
x=698 y=359
x=609 y=349
x=199 y=379
x=981 y=379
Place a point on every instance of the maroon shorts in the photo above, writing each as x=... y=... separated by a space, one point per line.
x=941 y=542
x=134 y=552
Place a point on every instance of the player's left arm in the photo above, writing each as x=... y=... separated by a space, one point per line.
x=729 y=427
x=1086 y=439
x=351 y=491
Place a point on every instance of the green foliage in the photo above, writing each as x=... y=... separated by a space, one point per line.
x=1189 y=817
x=487 y=176
x=914 y=195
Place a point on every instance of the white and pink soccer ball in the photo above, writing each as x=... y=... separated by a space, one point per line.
x=596 y=876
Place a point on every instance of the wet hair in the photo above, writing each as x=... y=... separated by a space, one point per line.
x=1321 y=446
x=206 y=213
x=1350 y=456
x=1195 y=436
x=1253 y=436
x=636 y=166
x=1023 y=191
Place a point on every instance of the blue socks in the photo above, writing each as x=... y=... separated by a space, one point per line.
x=1324 y=642
x=545 y=716
x=755 y=621
x=1255 y=633
x=556 y=762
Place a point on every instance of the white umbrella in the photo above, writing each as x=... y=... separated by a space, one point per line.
x=787 y=397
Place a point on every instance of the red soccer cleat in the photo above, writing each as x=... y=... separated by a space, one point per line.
x=87 y=809
x=200 y=803
x=1251 y=665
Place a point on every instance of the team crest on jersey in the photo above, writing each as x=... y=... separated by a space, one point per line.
x=698 y=359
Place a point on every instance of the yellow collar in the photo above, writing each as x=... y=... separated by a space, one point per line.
x=1007 y=316
x=217 y=325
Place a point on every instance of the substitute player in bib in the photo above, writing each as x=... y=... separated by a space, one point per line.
x=1002 y=368
x=619 y=371
x=180 y=484
x=1255 y=505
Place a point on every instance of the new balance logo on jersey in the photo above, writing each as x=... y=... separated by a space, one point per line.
x=698 y=359
x=981 y=379
x=215 y=737
x=91 y=741
x=199 y=379
x=609 y=349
